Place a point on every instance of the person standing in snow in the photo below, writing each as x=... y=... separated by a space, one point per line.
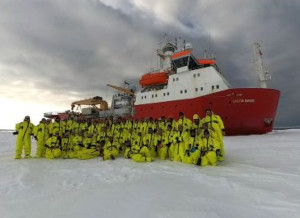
x=24 y=130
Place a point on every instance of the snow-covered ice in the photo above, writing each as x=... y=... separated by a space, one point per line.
x=259 y=178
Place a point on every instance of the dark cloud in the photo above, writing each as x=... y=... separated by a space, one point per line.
x=77 y=47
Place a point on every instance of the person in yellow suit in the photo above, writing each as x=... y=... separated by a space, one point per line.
x=111 y=149
x=144 y=153
x=40 y=134
x=163 y=148
x=24 y=130
x=191 y=145
x=197 y=124
x=67 y=146
x=78 y=143
x=178 y=144
x=209 y=147
x=53 y=146
x=185 y=122
x=56 y=126
x=215 y=123
x=90 y=149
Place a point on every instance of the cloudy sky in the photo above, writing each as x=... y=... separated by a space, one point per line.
x=53 y=52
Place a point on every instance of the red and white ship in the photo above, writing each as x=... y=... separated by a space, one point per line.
x=185 y=83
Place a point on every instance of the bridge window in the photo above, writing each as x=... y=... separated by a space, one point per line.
x=181 y=62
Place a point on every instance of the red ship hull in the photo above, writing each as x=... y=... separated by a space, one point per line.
x=243 y=110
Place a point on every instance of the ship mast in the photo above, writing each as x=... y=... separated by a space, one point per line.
x=263 y=75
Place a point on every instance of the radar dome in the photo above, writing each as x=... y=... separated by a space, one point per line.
x=188 y=45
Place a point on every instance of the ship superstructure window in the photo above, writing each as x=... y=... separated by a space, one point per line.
x=194 y=75
x=198 y=74
x=181 y=91
x=173 y=79
x=155 y=95
x=152 y=96
x=142 y=97
x=181 y=62
x=167 y=93
x=212 y=87
x=196 y=89
x=164 y=94
x=217 y=86
x=193 y=63
x=177 y=79
x=185 y=91
x=201 y=88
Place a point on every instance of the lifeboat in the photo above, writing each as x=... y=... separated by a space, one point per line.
x=210 y=62
x=154 y=79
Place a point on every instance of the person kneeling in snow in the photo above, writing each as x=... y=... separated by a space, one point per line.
x=209 y=147
x=111 y=149
x=90 y=148
x=53 y=146
x=144 y=153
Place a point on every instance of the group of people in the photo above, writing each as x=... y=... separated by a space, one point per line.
x=197 y=141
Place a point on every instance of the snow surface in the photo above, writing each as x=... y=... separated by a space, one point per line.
x=259 y=178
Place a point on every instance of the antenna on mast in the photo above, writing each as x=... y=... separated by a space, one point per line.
x=263 y=75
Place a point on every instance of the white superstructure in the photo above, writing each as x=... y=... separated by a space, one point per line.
x=187 y=77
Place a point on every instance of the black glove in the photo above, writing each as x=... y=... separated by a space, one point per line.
x=35 y=138
x=15 y=133
x=187 y=153
x=169 y=144
x=156 y=148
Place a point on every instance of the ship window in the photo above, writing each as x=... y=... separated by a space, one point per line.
x=185 y=91
x=164 y=94
x=142 y=97
x=217 y=86
x=198 y=74
x=194 y=75
x=181 y=62
x=155 y=95
x=201 y=88
x=177 y=79
x=180 y=91
x=213 y=87
x=196 y=89
x=145 y=97
x=167 y=93
x=193 y=64
x=152 y=96
x=173 y=79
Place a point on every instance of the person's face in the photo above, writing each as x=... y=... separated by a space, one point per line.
x=208 y=112
x=27 y=119
x=180 y=128
x=196 y=121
